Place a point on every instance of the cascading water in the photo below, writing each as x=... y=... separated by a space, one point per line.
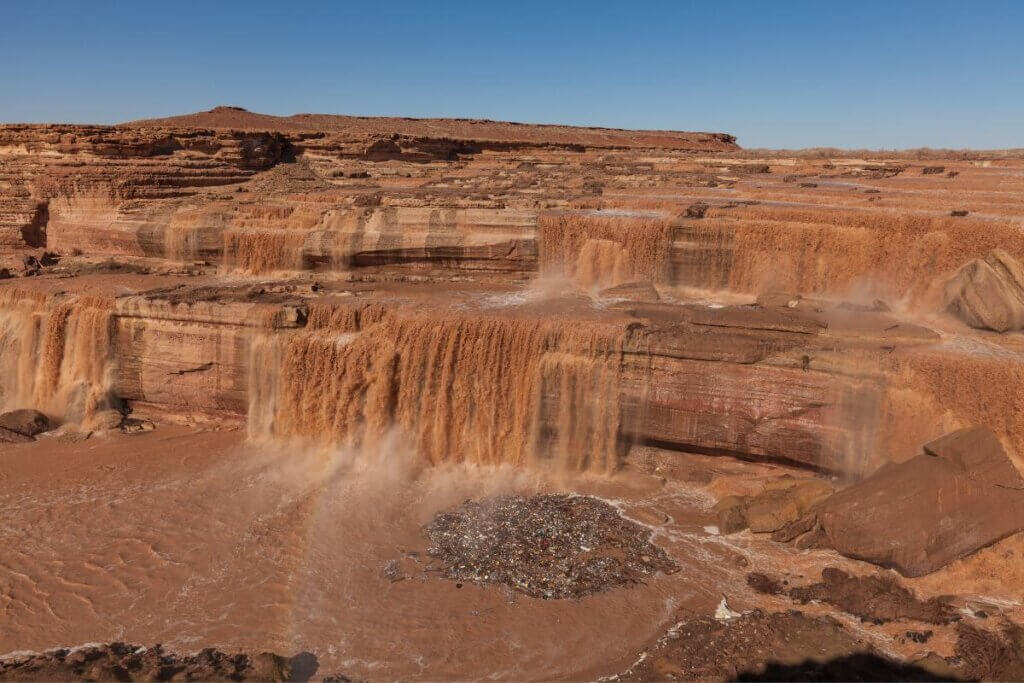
x=485 y=390
x=55 y=354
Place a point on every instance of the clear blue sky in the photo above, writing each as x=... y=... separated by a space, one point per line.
x=853 y=73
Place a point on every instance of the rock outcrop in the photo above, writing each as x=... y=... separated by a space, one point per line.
x=959 y=496
x=988 y=292
x=20 y=426
x=780 y=503
x=124 y=662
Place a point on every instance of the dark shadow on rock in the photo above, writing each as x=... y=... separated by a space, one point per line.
x=303 y=667
x=855 y=667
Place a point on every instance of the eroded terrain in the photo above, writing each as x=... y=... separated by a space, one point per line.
x=253 y=366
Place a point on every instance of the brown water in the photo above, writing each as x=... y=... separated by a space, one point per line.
x=195 y=539
x=55 y=353
x=264 y=251
x=467 y=388
x=604 y=251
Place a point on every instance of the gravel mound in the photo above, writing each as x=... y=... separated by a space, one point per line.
x=547 y=546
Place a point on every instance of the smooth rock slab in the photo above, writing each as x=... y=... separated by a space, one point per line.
x=917 y=516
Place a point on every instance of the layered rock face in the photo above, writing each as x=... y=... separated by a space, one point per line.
x=989 y=292
x=236 y=260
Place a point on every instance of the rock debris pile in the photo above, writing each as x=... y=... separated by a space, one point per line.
x=547 y=546
x=124 y=662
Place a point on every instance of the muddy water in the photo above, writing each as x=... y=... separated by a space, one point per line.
x=196 y=540
x=467 y=388
x=55 y=353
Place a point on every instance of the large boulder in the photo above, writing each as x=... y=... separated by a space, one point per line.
x=780 y=503
x=26 y=422
x=960 y=495
x=988 y=292
x=11 y=436
x=783 y=502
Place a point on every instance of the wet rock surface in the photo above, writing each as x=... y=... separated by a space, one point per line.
x=547 y=546
x=960 y=495
x=780 y=503
x=759 y=646
x=877 y=598
x=124 y=662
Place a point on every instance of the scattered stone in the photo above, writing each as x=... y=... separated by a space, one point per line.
x=368 y=200
x=780 y=503
x=697 y=210
x=785 y=646
x=953 y=174
x=989 y=292
x=784 y=501
x=919 y=637
x=958 y=213
x=917 y=516
x=547 y=546
x=26 y=422
x=808 y=184
x=750 y=168
x=133 y=425
x=392 y=571
x=30 y=265
x=933 y=170
x=724 y=613
x=123 y=662
x=105 y=420
x=762 y=583
x=877 y=598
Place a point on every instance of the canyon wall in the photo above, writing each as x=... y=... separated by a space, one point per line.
x=336 y=279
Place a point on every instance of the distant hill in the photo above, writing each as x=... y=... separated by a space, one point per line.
x=237 y=118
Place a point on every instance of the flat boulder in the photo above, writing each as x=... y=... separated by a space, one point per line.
x=779 y=504
x=783 y=502
x=26 y=422
x=962 y=494
x=988 y=293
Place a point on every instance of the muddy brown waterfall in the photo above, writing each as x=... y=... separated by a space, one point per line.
x=57 y=355
x=406 y=399
x=482 y=390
